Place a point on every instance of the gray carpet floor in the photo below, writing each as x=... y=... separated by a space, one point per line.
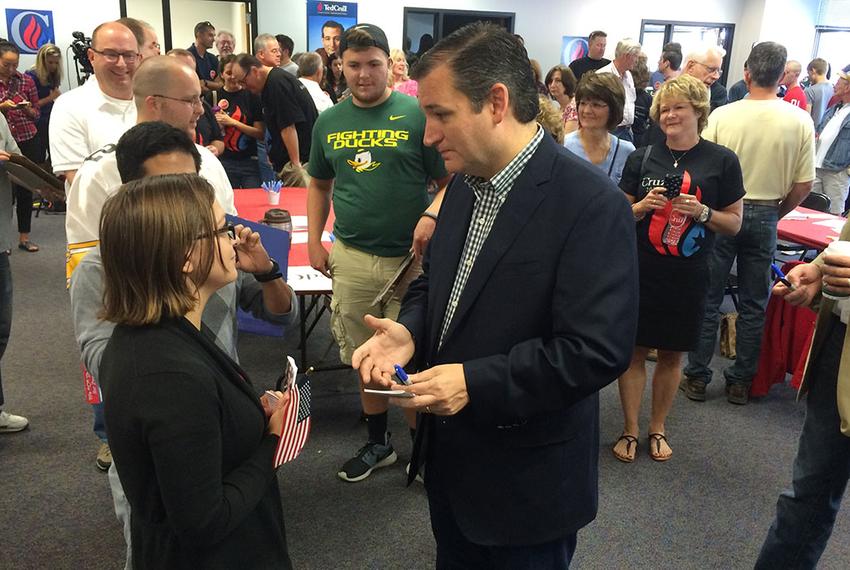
x=709 y=507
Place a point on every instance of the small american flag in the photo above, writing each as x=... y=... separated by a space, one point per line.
x=296 y=423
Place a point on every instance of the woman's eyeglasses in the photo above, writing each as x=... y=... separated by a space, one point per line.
x=227 y=228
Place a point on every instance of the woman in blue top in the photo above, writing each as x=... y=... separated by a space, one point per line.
x=600 y=99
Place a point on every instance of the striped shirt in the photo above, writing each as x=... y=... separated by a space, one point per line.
x=489 y=197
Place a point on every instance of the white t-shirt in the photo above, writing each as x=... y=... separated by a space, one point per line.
x=629 y=86
x=98 y=179
x=320 y=98
x=828 y=134
x=84 y=120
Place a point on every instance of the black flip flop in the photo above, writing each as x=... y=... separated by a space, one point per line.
x=655 y=439
x=630 y=441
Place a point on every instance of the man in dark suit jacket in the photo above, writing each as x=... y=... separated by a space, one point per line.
x=527 y=307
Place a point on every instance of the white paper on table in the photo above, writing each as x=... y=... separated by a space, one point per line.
x=795 y=216
x=833 y=224
x=299 y=222
x=301 y=237
x=305 y=278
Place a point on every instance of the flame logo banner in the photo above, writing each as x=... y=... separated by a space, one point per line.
x=30 y=29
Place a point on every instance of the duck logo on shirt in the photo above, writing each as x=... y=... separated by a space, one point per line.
x=363 y=162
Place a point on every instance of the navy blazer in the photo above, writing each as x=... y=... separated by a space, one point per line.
x=547 y=318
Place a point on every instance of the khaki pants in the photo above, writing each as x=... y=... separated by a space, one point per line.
x=357 y=278
x=834 y=184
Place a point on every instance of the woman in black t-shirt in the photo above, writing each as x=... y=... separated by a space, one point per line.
x=240 y=117
x=683 y=191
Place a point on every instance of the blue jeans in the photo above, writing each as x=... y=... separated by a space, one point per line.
x=266 y=171
x=805 y=515
x=243 y=173
x=99 y=424
x=5 y=309
x=754 y=247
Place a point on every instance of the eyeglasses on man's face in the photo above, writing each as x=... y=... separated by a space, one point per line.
x=193 y=101
x=710 y=68
x=112 y=56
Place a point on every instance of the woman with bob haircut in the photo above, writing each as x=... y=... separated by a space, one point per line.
x=683 y=191
x=192 y=441
x=600 y=98
x=562 y=87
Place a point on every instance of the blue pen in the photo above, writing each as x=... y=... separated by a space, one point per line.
x=782 y=277
x=401 y=374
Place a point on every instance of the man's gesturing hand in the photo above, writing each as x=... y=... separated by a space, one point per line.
x=391 y=344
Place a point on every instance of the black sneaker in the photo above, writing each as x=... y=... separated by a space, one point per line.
x=694 y=389
x=371 y=456
x=738 y=394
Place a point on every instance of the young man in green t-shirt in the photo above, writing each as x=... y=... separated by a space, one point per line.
x=369 y=150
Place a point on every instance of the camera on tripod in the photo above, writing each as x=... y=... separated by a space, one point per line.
x=80 y=47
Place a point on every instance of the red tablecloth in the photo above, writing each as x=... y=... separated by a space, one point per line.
x=810 y=227
x=252 y=204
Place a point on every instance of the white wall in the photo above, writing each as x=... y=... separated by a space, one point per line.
x=67 y=17
x=186 y=13
x=541 y=28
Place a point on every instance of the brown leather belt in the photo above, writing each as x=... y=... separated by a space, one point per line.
x=763 y=202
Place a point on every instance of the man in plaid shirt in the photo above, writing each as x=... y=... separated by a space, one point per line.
x=19 y=104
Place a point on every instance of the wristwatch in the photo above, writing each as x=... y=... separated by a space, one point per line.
x=705 y=215
x=271 y=274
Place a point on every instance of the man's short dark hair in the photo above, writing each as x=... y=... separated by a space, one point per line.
x=766 y=63
x=818 y=65
x=672 y=54
x=247 y=61
x=480 y=55
x=147 y=140
x=596 y=34
x=605 y=87
x=286 y=44
x=203 y=27
x=332 y=24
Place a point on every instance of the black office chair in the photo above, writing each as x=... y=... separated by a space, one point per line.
x=814 y=201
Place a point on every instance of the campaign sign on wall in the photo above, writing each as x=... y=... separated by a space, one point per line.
x=30 y=29
x=572 y=48
x=318 y=13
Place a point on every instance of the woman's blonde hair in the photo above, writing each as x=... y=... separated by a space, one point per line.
x=45 y=77
x=551 y=119
x=395 y=54
x=148 y=230
x=685 y=88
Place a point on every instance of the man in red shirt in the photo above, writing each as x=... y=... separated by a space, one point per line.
x=791 y=80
